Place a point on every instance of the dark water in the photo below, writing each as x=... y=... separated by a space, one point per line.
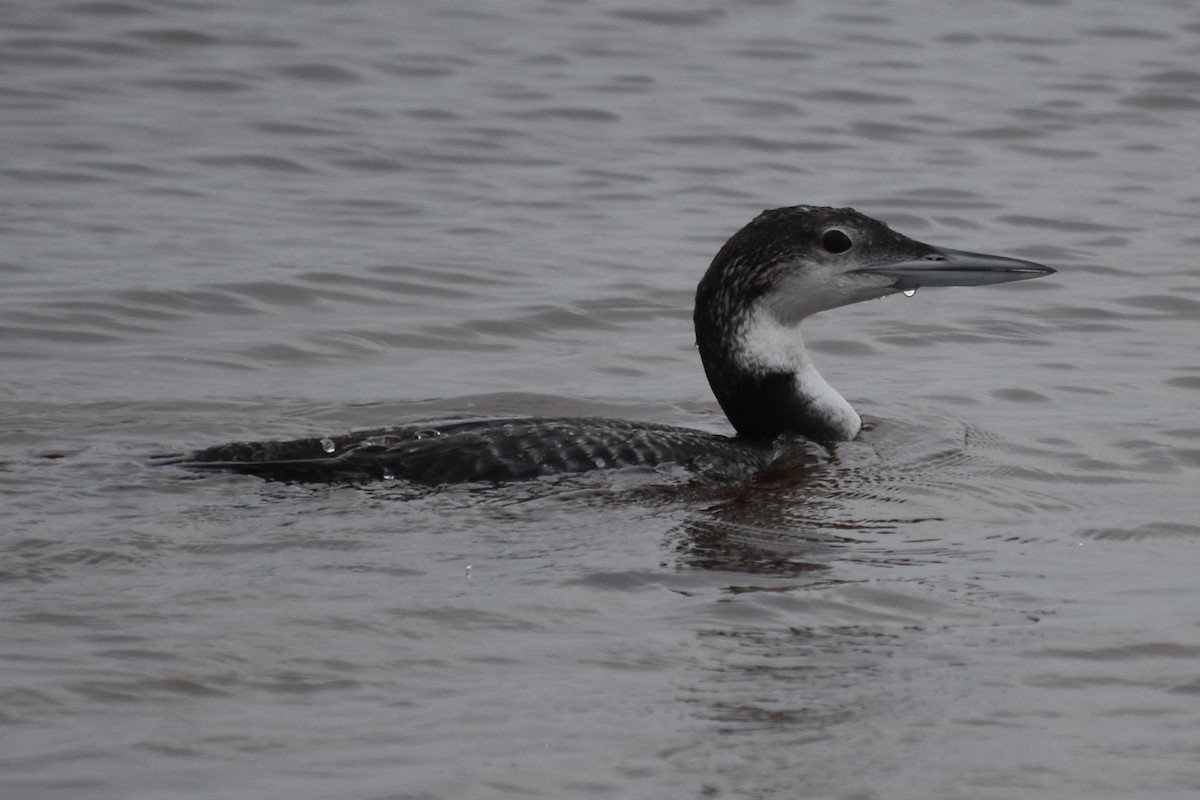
x=300 y=218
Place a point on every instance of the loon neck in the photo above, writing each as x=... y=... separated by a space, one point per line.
x=765 y=381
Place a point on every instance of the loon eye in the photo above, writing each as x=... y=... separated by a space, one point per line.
x=835 y=241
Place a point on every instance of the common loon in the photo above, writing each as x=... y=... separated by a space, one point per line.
x=784 y=266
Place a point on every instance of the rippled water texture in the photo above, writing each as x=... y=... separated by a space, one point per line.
x=283 y=219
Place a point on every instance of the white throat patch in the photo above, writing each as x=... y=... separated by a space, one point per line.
x=767 y=345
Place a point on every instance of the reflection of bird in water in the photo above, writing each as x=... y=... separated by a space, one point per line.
x=786 y=265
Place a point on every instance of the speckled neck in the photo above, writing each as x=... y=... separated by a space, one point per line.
x=766 y=382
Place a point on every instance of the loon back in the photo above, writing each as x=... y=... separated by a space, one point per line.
x=784 y=266
x=485 y=450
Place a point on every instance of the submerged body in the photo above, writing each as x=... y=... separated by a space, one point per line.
x=488 y=450
x=782 y=267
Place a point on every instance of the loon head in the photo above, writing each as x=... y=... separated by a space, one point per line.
x=788 y=264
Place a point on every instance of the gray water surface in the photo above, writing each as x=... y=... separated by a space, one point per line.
x=225 y=221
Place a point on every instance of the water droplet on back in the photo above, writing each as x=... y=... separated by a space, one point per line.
x=328 y=446
x=909 y=292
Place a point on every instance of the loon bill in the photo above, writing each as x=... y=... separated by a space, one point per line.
x=786 y=265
